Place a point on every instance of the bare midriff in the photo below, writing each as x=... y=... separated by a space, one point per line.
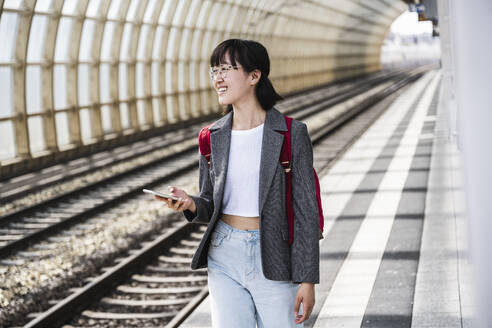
x=241 y=222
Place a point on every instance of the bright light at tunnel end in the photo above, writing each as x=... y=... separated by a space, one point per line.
x=408 y=24
x=409 y=43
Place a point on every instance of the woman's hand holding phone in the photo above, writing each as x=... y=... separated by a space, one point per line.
x=184 y=201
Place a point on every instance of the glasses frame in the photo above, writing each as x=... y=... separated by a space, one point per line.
x=222 y=70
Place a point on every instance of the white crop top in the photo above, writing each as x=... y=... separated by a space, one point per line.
x=241 y=190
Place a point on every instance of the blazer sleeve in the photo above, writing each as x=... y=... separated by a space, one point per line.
x=204 y=202
x=305 y=244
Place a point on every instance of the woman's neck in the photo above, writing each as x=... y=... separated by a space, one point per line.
x=245 y=118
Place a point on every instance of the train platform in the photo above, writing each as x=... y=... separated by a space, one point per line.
x=395 y=252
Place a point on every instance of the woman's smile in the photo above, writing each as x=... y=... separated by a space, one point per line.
x=221 y=90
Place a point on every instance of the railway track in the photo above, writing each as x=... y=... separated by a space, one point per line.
x=153 y=284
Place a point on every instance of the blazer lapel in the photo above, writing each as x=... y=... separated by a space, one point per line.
x=270 y=151
x=220 y=140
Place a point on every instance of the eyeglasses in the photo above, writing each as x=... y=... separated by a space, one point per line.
x=222 y=69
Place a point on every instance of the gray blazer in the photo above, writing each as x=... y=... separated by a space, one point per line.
x=298 y=262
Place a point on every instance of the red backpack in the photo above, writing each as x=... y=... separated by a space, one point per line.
x=285 y=158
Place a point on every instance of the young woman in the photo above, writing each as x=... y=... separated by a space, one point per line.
x=254 y=275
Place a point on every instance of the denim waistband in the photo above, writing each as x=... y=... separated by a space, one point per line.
x=228 y=230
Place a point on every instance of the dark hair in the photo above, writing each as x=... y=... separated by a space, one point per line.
x=251 y=55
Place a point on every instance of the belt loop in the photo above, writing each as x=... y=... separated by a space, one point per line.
x=229 y=232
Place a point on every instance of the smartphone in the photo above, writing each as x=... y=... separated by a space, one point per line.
x=160 y=194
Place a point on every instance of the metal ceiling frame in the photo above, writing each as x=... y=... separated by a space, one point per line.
x=310 y=43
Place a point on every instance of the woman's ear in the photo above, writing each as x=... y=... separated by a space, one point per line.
x=255 y=76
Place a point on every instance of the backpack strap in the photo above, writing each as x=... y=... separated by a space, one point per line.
x=320 y=207
x=285 y=161
x=204 y=143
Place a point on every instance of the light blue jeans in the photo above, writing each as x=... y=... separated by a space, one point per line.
x=240 y=295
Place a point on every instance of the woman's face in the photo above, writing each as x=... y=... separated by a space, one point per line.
x=236 y=87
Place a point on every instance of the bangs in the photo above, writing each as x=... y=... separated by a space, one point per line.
x=233 y=47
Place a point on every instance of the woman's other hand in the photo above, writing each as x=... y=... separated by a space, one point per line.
x=305 y=295
x=184 y=202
